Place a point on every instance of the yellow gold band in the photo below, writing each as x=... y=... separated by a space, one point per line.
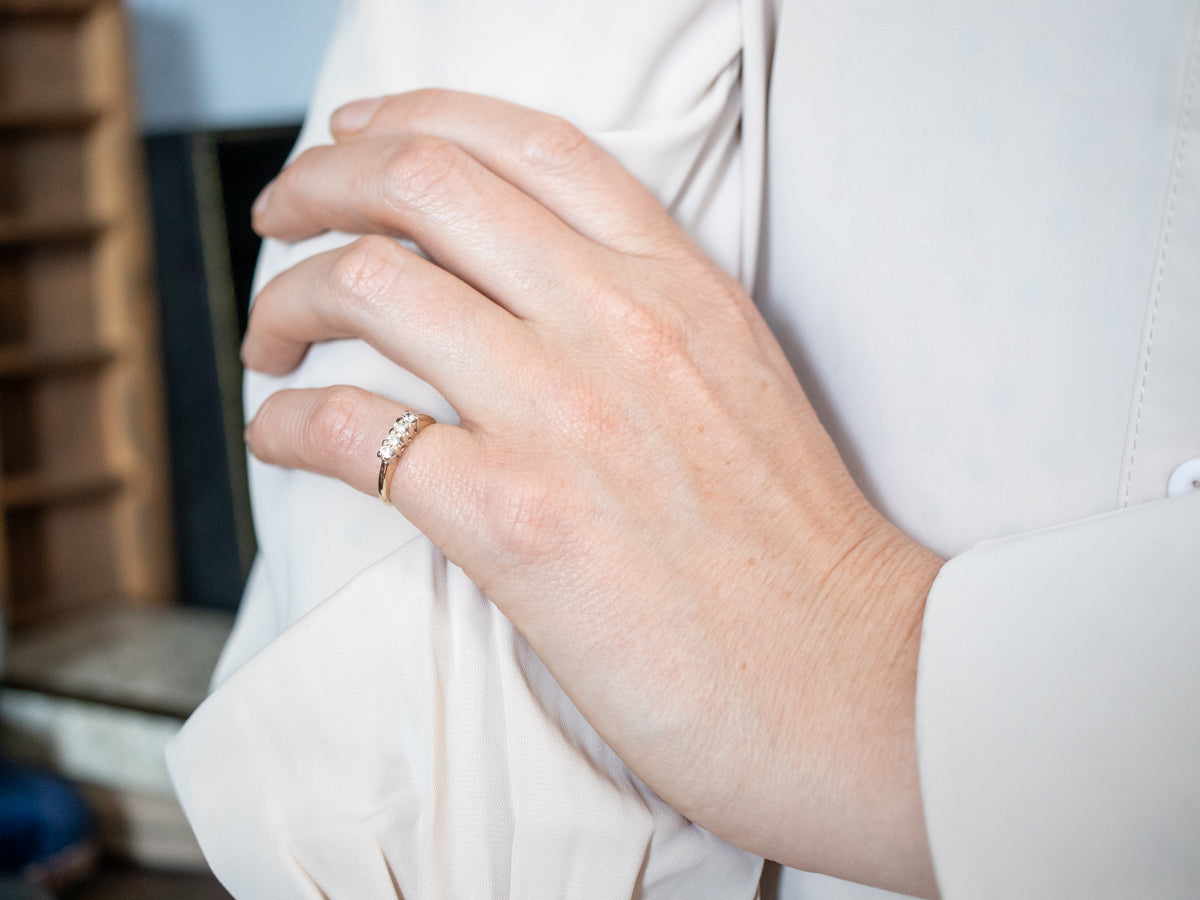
x=404 y=430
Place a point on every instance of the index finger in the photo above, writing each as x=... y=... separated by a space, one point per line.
x=543 y=155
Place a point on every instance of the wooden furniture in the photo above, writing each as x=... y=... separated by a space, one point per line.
x=83 y=497
x=96 y=697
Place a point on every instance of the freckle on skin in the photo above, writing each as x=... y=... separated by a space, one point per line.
x=700 y=429
x=751 y=561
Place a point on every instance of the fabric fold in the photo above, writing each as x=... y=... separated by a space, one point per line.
x=326 y=783
x=377 y=726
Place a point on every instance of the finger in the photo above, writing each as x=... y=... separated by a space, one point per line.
x=543 y=155
x=413 y=312
x=337 y=431
x=333 y=431
x=463 y=216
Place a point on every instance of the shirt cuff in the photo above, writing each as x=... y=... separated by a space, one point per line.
x=1057 y=710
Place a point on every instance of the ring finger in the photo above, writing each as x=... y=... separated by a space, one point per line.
x=337 y=432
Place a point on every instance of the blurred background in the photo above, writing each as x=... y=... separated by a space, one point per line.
x=133 y=139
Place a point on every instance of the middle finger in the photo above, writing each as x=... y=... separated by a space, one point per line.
x=413 y=312
x=463 y=216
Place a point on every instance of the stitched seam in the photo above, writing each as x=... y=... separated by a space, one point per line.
x=1161 y=265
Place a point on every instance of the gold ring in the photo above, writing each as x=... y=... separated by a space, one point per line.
x=403 y=431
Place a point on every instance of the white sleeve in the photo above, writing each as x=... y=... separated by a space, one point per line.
x=378 y=729
x=1058 y=710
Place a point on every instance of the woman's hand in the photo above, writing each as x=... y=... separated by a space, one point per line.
x=638 y=480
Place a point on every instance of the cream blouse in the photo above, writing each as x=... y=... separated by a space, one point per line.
x=975 y=227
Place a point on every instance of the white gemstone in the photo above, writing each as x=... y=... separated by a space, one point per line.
x=386 y=452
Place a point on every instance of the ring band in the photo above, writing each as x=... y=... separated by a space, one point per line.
x=404 y=430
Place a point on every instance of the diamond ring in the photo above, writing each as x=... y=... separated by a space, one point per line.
x=403 y=431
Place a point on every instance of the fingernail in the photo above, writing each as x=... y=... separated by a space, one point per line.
x=264 y=198
x=354 y=116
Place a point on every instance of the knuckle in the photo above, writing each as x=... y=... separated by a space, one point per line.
x=364 y=274
x=264 y=308
x=423 y=166
x=532 y=515
x=294 y=172
x=557 y=144
x=583 y=411
x=333 y=434
x=426 y=106
x=652 y=335
x=260 y=428
x=291 y=183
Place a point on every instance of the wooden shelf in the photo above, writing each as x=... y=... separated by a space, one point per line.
x=28 y=9
x=67 y=487
x=149 y=660
x=83 y=490
x=37 y=609
x=19 y=233
x=35 y=119
x=21 y=362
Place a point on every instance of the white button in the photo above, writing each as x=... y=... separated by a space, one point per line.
x=1185 y=479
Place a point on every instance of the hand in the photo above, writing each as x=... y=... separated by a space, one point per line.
x=638 y=480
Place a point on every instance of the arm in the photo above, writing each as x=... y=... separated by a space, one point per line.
x=636 y=459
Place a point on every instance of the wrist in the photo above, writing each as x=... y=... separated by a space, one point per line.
x=861 y=698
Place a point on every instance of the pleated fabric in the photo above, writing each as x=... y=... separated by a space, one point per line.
x=378 y=728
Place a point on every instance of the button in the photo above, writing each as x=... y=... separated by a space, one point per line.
x=1185 y=479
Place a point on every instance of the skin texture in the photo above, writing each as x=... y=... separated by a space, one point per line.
x=638 y=482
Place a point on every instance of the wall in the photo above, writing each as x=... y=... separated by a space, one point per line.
x=212 y=64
